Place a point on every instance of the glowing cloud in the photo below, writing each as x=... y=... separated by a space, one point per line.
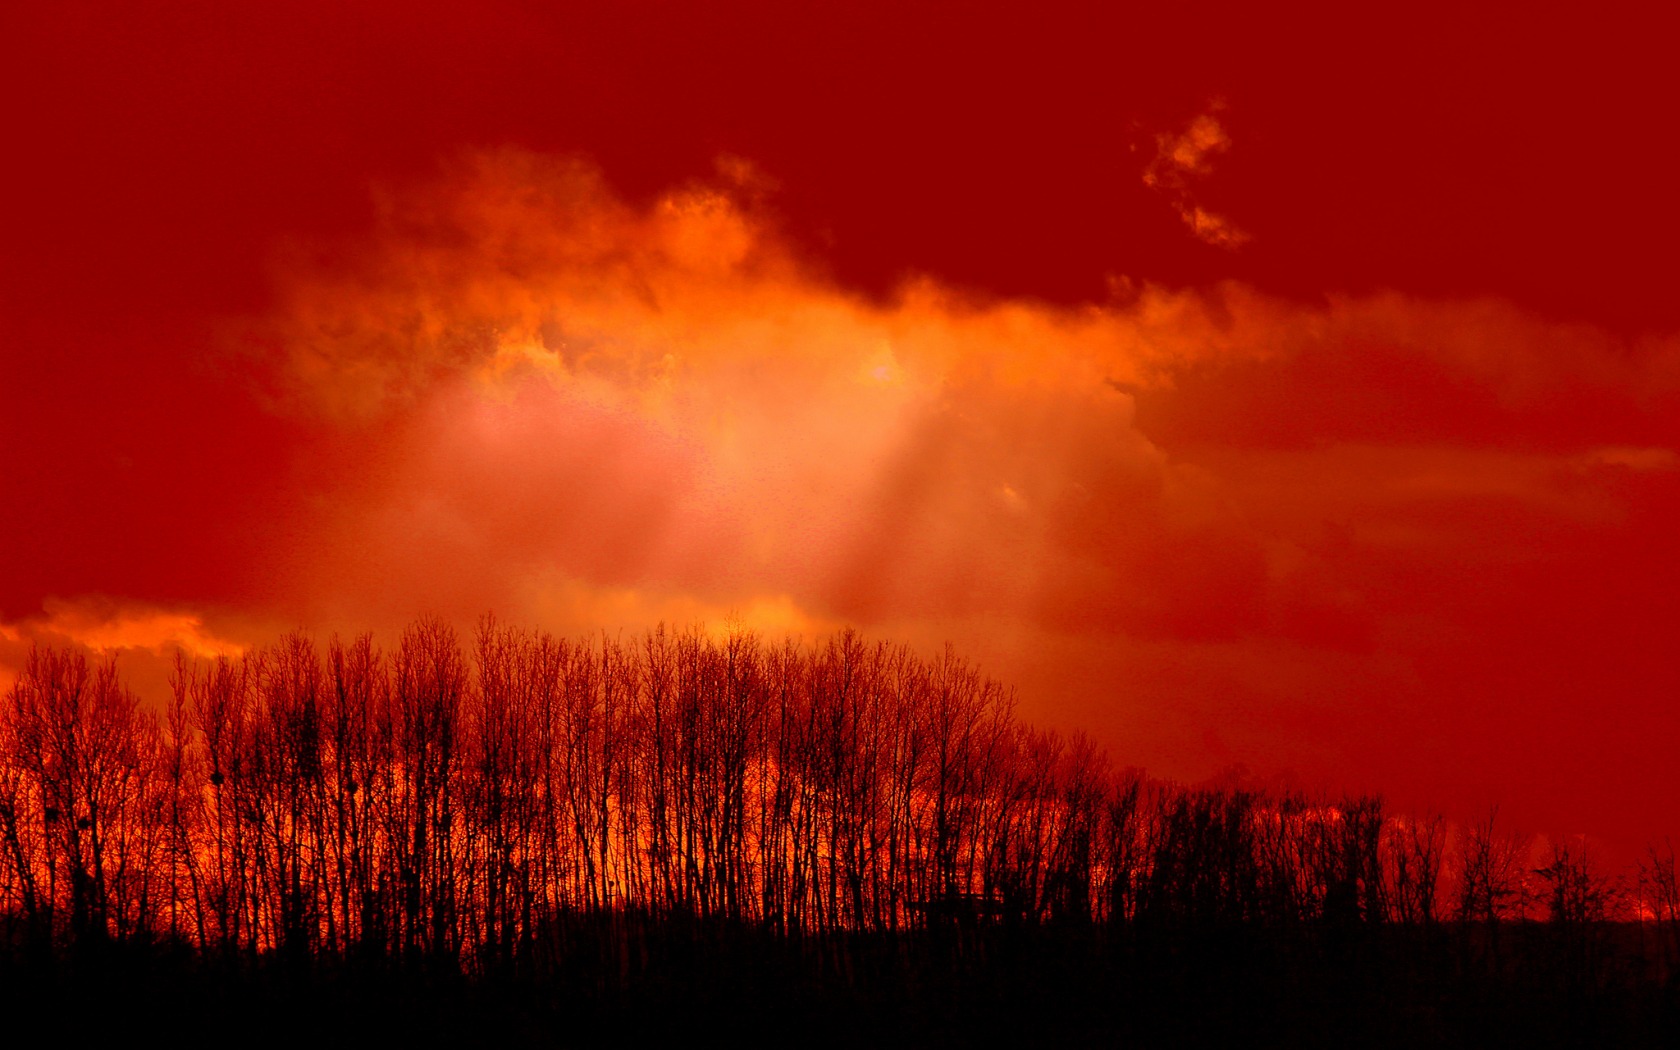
x=110 y=626
x=1183 y=160
x=669 y=396
x=1175 y=517
x=666 y=401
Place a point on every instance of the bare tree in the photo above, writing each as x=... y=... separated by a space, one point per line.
x=1415 y=853
x=1658 y=873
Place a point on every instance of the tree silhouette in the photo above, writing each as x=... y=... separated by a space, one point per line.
x=526 y=808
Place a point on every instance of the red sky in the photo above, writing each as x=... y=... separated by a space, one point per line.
x=1286 y=387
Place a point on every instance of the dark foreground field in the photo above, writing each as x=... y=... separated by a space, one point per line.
x=626 y=980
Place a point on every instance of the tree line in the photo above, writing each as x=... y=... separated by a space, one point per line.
x=465 y=802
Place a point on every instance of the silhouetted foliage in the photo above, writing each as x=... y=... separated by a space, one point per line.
x=602 y=822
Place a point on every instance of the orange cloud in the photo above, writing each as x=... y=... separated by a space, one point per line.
x=104 y=625
x=1185 y=159
x=146 y=634
x=1178 y=517
x=575 y=607
x=668 y=400
x=730 y=415
x=524 y=266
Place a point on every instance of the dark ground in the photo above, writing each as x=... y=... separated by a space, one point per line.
x=1379 y=987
